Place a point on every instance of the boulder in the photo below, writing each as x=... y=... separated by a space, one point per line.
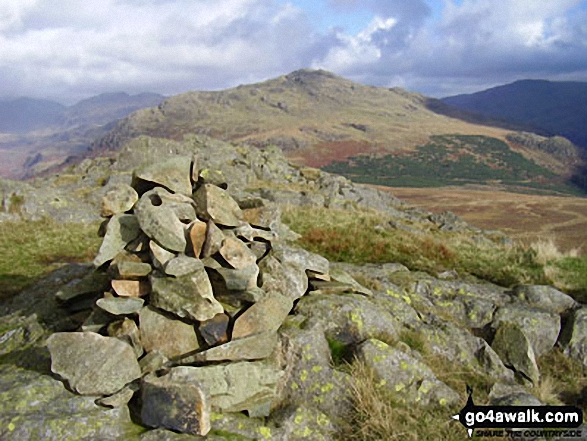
x=92 y=364
x=256 y=347
x=183 y=265
x=119 y=399
x=131 y=288
x=160 y=215
x=545 y=297
x=349 y=318
x=234 y=387
x=540 y=327
x=241 y=427
x=130 y=270
x=406 y=377
x=237 y=254
x=215 y=330
x=287 y=279
x=574 y=336
x=303 y=259
x=127 y=331
x=239 y=279
x=34 y=406
x=212 y=241
x=197 y=235
x=159 y=255
x=266 y=315
x=119 y=199
x=90 y=286
x=515 y=350
x=306 y=423
x=214 y=177
x=309 y=378
x=120 y=305
x=173 y=173
x=152 y=362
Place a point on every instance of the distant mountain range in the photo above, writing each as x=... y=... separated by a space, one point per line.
x=37 y=133
x=23 y=115
x=550 y=108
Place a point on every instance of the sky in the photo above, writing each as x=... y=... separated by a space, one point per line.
x=67 y=50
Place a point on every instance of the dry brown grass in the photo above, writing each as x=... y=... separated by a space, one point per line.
x=547 y=391
x=526 y=218
x=379 y=416
x=547 y=251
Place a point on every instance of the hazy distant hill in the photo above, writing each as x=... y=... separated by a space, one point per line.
x=107 y=107
x=36 y=134
x=559 y=108
x=27 y=114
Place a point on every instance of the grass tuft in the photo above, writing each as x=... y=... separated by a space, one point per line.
x=378 y=415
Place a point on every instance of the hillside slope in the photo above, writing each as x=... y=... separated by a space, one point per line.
x=322 y=120
x=559 y=108
x=314 y=116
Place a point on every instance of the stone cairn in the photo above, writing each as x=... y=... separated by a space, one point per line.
x=194 y=299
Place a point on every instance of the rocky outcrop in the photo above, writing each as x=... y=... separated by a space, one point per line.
x=201 y=317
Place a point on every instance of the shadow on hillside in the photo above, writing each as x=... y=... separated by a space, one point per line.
x=579 y=177
x=439 y=107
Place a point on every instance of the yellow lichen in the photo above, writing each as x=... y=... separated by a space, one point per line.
x=322 y=419
x=265 y=432
x=327 y=387
x=304 y=375
x=357 y=320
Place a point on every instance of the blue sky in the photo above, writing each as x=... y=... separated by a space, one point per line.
x=68 y=50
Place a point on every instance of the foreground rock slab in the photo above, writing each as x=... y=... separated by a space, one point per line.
x=37 y=407
x=91 y=363
x=404 y=375
x=164 y=334
x=175 y=402
x=234 y=387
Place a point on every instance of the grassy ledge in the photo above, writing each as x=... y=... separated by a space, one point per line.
x=31 y=250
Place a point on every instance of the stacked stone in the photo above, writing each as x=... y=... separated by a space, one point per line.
x=195 y=300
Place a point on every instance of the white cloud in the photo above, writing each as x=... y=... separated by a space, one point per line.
x=74 y=48
x=476 y=43
x=355 y=51
x=58 y=47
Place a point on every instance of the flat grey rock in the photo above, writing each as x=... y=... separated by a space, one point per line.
x=91 y=363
